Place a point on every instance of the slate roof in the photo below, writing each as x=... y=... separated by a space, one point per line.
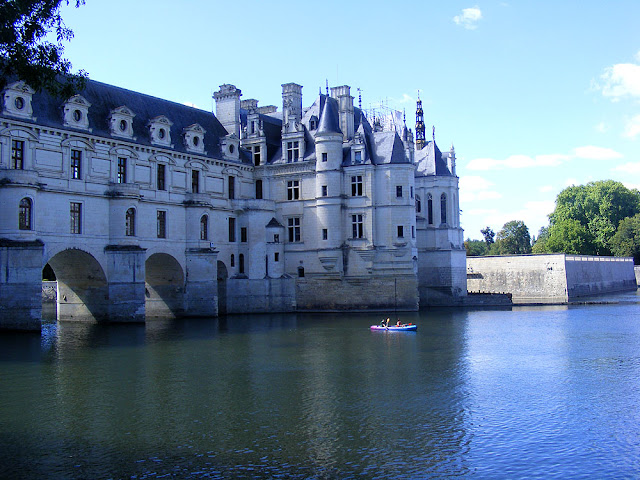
x=47 y=111
x=329 y=120
x=430 y=161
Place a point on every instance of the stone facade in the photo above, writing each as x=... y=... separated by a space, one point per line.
x=553 y=279
x=143 y=207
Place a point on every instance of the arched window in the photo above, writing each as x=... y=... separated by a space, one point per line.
x=443 y=208
x=24 y=214
x=258 y=189
x=301 y=272
x=418 y=204
x=130 y=222
x=430 y=209
x=241 y=263
x=204 y=227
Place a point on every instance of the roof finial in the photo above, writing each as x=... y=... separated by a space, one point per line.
x=359 y=99
x=433 y=132
x=326 y=80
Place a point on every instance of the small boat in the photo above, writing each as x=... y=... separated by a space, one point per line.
x=405 y=327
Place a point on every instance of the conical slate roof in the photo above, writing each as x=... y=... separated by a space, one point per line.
x=329 y=120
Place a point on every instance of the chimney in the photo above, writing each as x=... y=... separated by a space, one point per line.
x=345 y=102
x=228 y=108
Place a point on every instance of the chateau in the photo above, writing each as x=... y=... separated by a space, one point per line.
x=144 y=207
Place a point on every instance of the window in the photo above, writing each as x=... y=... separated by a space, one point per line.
x=293 y=151
x=398 y=191
x=76 y=164
x=162 y=224
x=24 y=214
x=418 y=204
x=17 y=154
x=313 y=124
x=301 y=272
x=324 y=191
x=75 y=212
x=232 y=187
x=204 y=227
x=256 y=155
x=357 y=156
x=122 y=170
x=411 y=192
x=430 y=209
x=130 y=223
x=294 y=229
x=443 y=208
x=258 y=189
x=241 y=263
x=356 y=186
x=400 y=231
x=243 y=234
x=233 y=260
x=293 y=189
x=276 y=238
x=357 y=226
x=195 y=181
x=162 y=175
x=232 y=229
x=413 y=231
x=325 y=234
x=325 y=156
x=276 y=256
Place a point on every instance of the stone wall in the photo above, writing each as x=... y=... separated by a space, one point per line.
x=268 y=295
x=49 y=292
x=357 y=293
x=637 y=271
x=556 y=278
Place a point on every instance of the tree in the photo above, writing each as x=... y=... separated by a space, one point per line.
x=475 y=248
x=26 y=55
x=488 y=235
x=514 y=238
x=626 y=241
x=598 y=207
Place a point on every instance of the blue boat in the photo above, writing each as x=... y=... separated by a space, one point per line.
x=408 y=327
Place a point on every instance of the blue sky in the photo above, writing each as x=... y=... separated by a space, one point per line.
x=535 y=96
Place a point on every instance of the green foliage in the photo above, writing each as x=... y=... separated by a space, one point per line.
x=514 y=238
x=475 y=248
x=626 y=241
x=24 y=52
x=598 y=208
x=488 y=235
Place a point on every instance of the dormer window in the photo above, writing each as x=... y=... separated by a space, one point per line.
x=230 y=146
x=76 y=112
x=160 y=131
x=194 y=138
x=313 y=123
x=121 y=122
x=17 y=100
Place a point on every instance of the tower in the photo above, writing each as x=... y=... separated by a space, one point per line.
x=420 y=133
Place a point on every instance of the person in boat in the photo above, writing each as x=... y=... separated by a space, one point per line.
x=398 y=324
x=384 y=323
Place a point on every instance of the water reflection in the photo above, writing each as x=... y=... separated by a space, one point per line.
x=473 y=393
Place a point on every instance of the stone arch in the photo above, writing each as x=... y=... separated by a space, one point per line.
x=164 y=286
x=82 y=289
x=223 y=274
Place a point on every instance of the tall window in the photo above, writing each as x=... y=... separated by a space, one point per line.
x=162 y=223
x=76 y=164
x=430 y=209
x=325 y=156
x=232 y=229
x=162 y=176
x=325 y=234
x=243 y=234
x=241 y=263
x=204 y=227
x=195 y=181
x=232 y=187
x=400 y=231
x=122 y=170
x=356 y=186
x=357 y=225
x=293 y=151
x=258 y=189
x=293 y=227
x=17 y=154
x=24 y=214
x=398 y=191
x=256 y=155
x=443 y=208
x=293 y=189
x=418 y=204
x=357 y=156
x=325 y=191
x=75 y=212
x=130 y=223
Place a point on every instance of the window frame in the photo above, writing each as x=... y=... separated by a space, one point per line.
x=293 y=151
x=17 y=154
x=232 y=229
x=357 y=226
x=121 y=172
x=357 y=186
x=294 y=230
x=25 y=214
x=130 y=222
x=161 y=222
x=161 y=176
x=204 y=227
x=75 y=218
x=293 y=190
x=75 y=164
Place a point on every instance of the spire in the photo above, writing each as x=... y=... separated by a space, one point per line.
x=420 y=133
x=329 y=120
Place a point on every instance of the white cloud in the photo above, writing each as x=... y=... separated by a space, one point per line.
x=591 y=152
x=632 y=129
x=469 y=18
x=474 y=183
x=474 y=188
x=545 y=189
x=629 y=167
x=602 y=127
x=570 y=182
x=620 y=81
x=518 y=161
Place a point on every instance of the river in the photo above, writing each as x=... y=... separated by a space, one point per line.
x=528 y=392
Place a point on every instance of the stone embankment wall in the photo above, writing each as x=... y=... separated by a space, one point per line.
x=556 y=278
x=637 y=270
x=269 y=295
x=49 y=292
